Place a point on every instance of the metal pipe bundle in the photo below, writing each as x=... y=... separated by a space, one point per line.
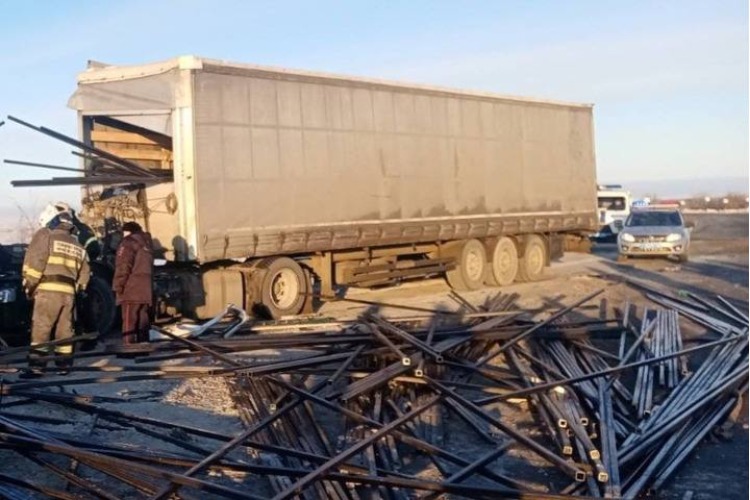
x=338 y=413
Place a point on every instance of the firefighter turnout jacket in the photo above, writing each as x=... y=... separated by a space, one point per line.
x=87 y=238
x=55 y=262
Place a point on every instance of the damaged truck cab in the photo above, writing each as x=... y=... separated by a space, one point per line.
x=267 y=184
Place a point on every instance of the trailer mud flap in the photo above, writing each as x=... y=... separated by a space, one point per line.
x=556 y=244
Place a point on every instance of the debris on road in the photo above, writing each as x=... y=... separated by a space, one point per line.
x=389 y=408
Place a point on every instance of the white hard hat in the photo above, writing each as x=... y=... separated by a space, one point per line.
x=49 y=213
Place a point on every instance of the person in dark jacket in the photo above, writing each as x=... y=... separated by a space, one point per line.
x=132 y=282
x=54 y=269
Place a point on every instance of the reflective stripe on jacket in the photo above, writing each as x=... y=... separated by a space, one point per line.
x=87 y=238
x=55 y=262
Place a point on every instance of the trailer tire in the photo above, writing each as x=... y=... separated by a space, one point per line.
x=98 y=310
x=504 y=264
x=283 y=288
x=471 y=266
x=531 y=265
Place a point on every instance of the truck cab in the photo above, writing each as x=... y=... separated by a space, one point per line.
x=613 y=207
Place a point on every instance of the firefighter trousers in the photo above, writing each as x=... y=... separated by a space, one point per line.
x=52 y=319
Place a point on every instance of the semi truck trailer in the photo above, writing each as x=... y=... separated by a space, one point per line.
x=280 y=184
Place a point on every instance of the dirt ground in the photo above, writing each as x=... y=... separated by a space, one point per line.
x=718 y=265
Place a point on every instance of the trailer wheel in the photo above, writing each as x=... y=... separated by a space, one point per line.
x=98 y=311
x=283 y=288
x=471 y=266
x=531 y=266
x=504 y=264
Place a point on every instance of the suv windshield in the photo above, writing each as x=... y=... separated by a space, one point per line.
x=654 y=219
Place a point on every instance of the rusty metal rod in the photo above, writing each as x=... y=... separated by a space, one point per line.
x=543 y=452
x=315 y=475
x=601 y=373
x=72 y=478
x=407 y=337
x=127 y=165
x=108 y=464
x=417 y=443
x=405 y=360
x=685 y=448
x=45 y=490
x=632 y=451
x=484 y=360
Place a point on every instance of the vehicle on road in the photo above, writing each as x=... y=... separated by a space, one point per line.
x=613 y=207
x=260 y=185
x=654 y=231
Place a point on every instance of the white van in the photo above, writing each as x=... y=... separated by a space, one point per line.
x=613 y=207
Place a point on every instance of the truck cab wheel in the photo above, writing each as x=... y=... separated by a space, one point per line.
x=504 y=264
x=532 y=264
x=283 y=288
x=98 y=311
x=471 y=266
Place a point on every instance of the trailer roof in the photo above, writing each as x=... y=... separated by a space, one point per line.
x=100 y=72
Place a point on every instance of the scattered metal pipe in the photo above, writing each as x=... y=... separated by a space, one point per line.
x=614 y=436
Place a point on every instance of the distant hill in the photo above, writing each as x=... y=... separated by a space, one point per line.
x=685 y=188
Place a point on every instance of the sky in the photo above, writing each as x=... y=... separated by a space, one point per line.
x=669 y=79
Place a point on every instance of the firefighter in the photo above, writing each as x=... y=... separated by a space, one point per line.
x=54 y=270
x=132 y=282
x=85 y=233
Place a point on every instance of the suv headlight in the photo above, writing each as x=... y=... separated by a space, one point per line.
x=627 y=237
x=671 y=238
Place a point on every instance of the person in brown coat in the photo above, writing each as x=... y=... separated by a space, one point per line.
x=132 y=282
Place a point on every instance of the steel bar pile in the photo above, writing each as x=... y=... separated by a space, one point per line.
x=102 y=167
x=493 y=401
x=635 y=431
